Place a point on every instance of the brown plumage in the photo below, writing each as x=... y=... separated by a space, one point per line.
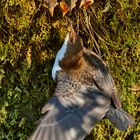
x=84 y=95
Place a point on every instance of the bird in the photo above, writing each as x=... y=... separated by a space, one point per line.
x=85 y=94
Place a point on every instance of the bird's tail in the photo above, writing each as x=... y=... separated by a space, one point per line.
x=119 y=118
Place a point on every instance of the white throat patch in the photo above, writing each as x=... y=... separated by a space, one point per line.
x=59 y=57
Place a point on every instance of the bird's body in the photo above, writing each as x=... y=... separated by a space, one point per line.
x=85 y=94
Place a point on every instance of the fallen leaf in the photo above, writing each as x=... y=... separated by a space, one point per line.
x=67 y=5
x=51 y=5
x=73 y=4
x=64 y=6
x=86 y=3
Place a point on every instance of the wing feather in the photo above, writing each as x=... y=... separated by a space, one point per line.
x=102 y=77
x=72 y=119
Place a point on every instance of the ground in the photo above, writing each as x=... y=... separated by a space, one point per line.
x=29 y=41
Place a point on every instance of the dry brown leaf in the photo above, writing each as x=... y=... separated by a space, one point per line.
x=64 y=6
x=67 y=5
x=86 y=3
x=51 y=5
x=73 y=4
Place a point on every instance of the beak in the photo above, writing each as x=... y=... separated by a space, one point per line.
x=72 y=35
x=86 y=3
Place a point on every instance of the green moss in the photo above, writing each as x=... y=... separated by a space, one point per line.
x=29 y=40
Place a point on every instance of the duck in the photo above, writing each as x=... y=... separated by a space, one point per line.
x=84 y=95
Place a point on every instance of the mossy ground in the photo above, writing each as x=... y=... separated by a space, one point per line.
x=29 y=40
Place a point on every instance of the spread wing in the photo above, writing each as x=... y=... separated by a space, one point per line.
x=71 y=115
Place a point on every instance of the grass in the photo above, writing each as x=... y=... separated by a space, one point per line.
x=29 y=41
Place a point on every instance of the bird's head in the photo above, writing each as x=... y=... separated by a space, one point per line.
x=70 y=53
x=73 y=52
